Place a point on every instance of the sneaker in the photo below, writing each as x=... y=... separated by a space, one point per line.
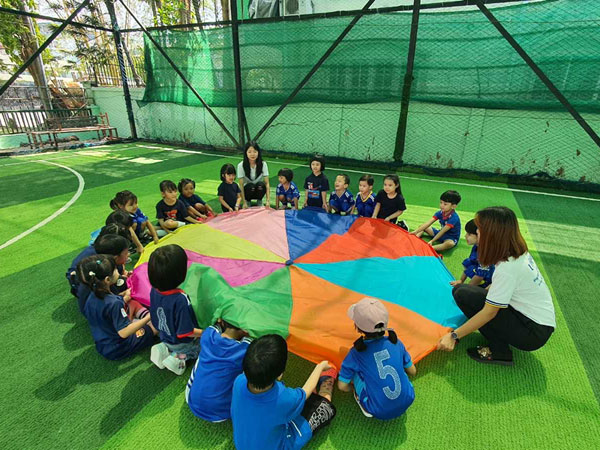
x=174 y=364
x=369 y=415
x=158 y=354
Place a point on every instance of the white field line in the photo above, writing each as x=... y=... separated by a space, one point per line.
x=483 y=186
x=56 y=213
x=70 y=155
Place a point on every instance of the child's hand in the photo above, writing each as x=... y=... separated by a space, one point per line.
x=455 y=282
x=324 y=365
x=126 y=295
x=387 y=219
x=203 y=217
x=155 y=240
x=267 y=205
x=140 y=249
x=325 y=207
x=245 y=206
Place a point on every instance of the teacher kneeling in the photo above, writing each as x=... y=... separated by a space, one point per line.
x=517 y=310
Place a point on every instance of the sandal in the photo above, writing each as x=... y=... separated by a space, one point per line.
x=484 y=355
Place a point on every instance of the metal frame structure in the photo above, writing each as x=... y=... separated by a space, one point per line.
x=243 y=132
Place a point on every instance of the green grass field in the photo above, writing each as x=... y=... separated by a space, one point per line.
x=57 y=392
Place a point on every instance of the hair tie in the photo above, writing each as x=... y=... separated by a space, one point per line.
x=91 y=274
x=98 y=262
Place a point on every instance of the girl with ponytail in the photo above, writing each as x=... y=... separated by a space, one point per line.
x=120 y=326
x=377 y=365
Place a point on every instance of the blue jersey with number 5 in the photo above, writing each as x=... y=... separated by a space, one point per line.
x=379 y=377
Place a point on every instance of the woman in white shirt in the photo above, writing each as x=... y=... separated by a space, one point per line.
x=517 y=310
x=253 y=176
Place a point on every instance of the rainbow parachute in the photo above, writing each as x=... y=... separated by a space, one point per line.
x=295 y=273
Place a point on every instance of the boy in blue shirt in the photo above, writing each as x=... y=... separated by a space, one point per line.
x=268 y=415
x=377 y=365
x=287 y=191
x=449 y=234
x=208 y=392
x=479 y=275
x=341 y=201
x=365 y=200
x=171 y=311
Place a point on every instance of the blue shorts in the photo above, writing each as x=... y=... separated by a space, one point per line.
x=142 y=338
x=446 y=237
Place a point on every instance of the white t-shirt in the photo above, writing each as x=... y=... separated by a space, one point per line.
x=519 y=283
x=241 y=173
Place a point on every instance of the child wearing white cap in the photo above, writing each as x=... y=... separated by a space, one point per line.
x=377 y=365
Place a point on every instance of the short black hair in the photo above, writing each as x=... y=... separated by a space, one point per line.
x=368 y=178
x=123 y=198
x=286 y=173
x=226 y=325
x=227 y=169
x=167 y=186
x=167 y=267
x=346 y=177
x=110 y=244
x=319 y=158
x=115 y=228
x=120 y=217
x=183 y=183
x=265 y=360
x=451 y=197
x=471 y=227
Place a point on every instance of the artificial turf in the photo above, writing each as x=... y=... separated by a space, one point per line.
x=58 y=392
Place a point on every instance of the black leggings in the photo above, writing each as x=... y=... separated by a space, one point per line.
x=508 y=328
x=255 y=191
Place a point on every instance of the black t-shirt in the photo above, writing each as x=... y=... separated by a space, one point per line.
x=178 y=211
x=314 y=186
x=389 y=205
x=229 y=192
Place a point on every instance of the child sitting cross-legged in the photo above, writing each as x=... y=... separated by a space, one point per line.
x=448 y=236
x=208 y=391
x=268 y=415
x=196 y=207
x=142 y=231
x=171 y=212
x=341 y=201
x=479 y=275
x=377 y=365
x=287 y=192
x=171 y=310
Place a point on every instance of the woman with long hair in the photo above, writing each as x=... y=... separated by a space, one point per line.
x=253 y=176
x=517 y=310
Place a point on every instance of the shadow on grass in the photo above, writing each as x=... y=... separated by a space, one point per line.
x=197 y=433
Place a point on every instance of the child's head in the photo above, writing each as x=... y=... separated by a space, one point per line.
x=371 y=319
x=186 y=187
x=125 y=200
x=471 y=232
x=341 y=181
x=317 y=164
x=99 y=272
x=228 y=173
x=230 y=329
x=391 y=184
x=265 y=360
x=285 y=175
x=167 y=267
x=114 y=228
x=449 y=200
x=114 y=245
x=121 y=218
x=168 y=191
x=365 y=184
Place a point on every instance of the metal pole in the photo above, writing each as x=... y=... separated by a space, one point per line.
x=181 y=75
x=42 y=47
x=539 y=72
x=119 y=46
x=242 y=125
x=408 y=79
x=51 y=19
x=316 y=67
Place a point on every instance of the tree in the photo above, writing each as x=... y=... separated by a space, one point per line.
x=20 y=37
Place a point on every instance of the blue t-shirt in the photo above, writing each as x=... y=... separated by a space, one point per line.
x=140 y=218
x=473 y=268
x=290 y=193
x=106 y=317
x=172 y=315
x=314 y=185
x=365 y=208
x=209 y=388
x=192 y=200
x=387 y=390
x=342 y=203
x=453 y=221
x=269 y=420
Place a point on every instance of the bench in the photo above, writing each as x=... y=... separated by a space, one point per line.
x=72 y=124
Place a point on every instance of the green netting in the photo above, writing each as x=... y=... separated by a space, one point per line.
x=461 y=59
